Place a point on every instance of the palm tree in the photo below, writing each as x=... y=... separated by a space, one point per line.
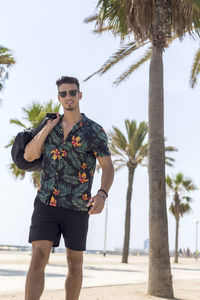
x=6 y=61
x=156 y=22
x=130 y=152
x=34 y=115
x=117 y=25
x=179 y=187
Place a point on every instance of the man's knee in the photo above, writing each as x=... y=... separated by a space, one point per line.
x=75 y=261
x=40 y=256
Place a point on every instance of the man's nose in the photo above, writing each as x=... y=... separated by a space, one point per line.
x=68 y=96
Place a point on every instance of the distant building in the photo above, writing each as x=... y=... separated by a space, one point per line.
x=146 y=244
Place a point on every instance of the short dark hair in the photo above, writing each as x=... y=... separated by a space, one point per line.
x=66 y=79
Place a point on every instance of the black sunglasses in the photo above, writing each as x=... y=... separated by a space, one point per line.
x=63 y=94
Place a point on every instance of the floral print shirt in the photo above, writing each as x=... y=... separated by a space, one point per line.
x=68 y=166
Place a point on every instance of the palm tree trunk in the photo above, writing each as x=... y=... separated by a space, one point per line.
x=160 y=280
x=176 y=242
x=125 y=253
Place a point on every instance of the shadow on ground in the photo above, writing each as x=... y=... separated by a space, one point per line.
x=112 y=269
x=99 y=269
x=23 y=273
x=185 y=269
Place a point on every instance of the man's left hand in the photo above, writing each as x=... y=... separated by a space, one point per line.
x=97 y=202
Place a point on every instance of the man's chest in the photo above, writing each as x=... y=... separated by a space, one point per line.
x=69 y=151
x=65 y=130
x=79 y=140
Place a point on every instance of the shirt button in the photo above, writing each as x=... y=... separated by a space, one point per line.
x=56 y=173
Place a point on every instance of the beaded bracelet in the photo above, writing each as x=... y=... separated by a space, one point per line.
x=101 y=195
x=101 y=190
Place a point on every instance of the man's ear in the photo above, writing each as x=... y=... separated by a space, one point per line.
x=58 y=98
x=80 y=95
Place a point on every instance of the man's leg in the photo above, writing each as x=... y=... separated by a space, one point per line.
x=74 y=278
x=35 y=276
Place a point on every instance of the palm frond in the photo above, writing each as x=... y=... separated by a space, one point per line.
x=118 y=56
x=184 y=209
x=170 y=40
x=36 y=112
x=187 y=198
x=50 y=107
x=133 y=67
x=140 y=16
x=119 y=139
x=196 y=3
x=100 y=29
x=119 y=167
x=91 y=18
x=185 y=17
x=169 y=182
x=137 y=139
x=170 y=149
x=189 y=185
x=6 y=61
x=179 y=178
x=10 y=143
x=169 y=159
x=143 y=152
x=32 y=113
x=17 y=122
x=195 y=69
x=120 y=161
x=35 y=178
x=18 y=174
x=116 y=151
x=130 y=128
x=168 y=163
x=6 y=57
x=195 y=32
x=112 y=14
x=172 y=209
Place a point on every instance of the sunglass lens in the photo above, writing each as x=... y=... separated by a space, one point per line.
x=73 y=93
x=63 y=94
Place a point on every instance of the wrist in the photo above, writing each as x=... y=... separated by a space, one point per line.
x=49 y=126
x=101 y=195
x=104 y=192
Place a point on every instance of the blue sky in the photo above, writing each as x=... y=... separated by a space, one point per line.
x=49 y=39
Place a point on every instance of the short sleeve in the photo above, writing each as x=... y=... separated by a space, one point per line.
x=100 y=143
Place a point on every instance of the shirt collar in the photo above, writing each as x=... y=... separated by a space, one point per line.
x=83 y=121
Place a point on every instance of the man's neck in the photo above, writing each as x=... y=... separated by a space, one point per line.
x=71 y=117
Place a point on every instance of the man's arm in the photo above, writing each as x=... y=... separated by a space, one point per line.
x=107 y=177
x=35 y=147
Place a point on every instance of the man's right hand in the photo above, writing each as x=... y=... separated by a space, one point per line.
x=51 y=123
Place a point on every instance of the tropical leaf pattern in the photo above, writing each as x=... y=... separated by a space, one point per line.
x=68 y=166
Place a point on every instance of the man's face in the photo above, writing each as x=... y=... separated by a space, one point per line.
x=69 y=96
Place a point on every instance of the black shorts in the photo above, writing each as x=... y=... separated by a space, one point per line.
x=48 y=223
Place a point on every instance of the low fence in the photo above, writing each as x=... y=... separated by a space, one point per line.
x=14 y=248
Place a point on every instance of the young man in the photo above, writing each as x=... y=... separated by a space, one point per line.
x=70 y=145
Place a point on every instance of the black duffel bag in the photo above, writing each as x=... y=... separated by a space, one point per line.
x=20 y=142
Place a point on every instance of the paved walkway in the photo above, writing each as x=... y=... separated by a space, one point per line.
x=97 y=271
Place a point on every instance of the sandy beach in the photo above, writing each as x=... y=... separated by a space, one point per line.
x=183 y=289
x=102 y=277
